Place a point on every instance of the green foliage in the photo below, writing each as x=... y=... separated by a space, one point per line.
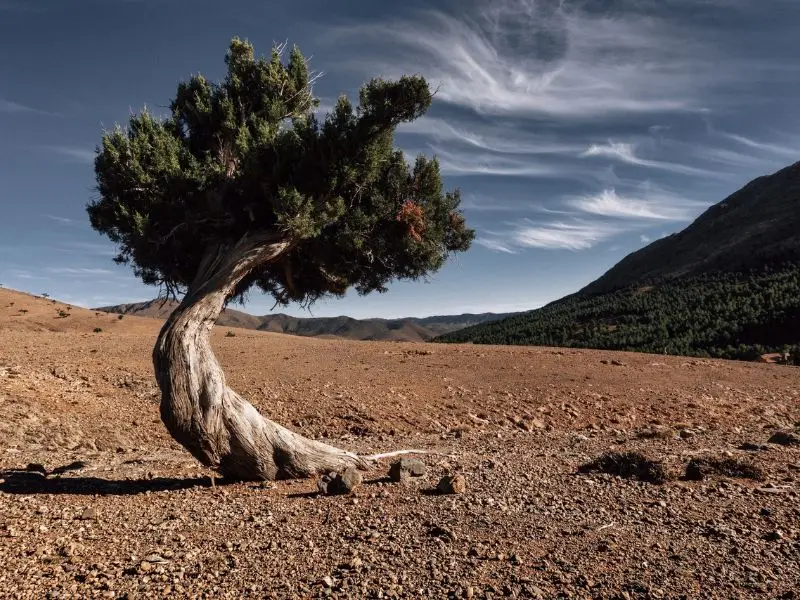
x=248 y=156
x=725 y=315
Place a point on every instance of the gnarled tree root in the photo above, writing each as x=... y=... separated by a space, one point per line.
x=219 y=427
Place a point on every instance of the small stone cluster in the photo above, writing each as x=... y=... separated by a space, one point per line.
x=401 y=471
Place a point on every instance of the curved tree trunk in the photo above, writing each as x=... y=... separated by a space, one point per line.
x=220 y=428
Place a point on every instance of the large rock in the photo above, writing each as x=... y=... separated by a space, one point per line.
x=345 y=482
x=406 y=467
x=452 y=484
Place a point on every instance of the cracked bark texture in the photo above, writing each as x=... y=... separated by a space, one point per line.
x=219 y=427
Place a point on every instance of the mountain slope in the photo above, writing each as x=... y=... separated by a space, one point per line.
x=408 y=329
x=726 y=286
x=755 y=226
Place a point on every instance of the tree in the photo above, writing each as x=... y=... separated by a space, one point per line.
x=240 y=185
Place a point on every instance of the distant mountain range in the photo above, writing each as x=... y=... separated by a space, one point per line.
x=726 y=286
x=407 y=329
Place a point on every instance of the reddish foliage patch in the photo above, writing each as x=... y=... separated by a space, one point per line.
x=411 y=214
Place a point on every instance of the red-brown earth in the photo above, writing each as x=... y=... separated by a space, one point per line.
x=124 y=512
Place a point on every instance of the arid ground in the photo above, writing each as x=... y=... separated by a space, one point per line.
x=97 y=501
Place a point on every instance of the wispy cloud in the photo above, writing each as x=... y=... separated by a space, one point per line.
x=658 y=206
x=61 y=220
x=548 y=58
x=14 y=108
x=573 y=234
x=626 y=153
x=645 y=239
x=476 y=203
x=576 y=235
x=495 y=244
x=78 y=271
x=497 y=137
x=74 y=153
x=88 y=248
x=785 y=151
x=455 y=162
x=16 y=273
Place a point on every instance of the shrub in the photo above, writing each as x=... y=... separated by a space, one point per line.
x=700 y=468
x=628 y=465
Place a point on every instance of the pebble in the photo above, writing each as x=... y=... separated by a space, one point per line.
x=90 y=514
x=413 y=467
x=452 y=484
x=339 y=483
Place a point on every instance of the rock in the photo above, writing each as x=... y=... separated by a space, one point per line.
x=442 y=532
x=339 y=483
x=155 y=559
x=771 y=490
x=327 y=581
x=411 y=466
x=90 y=514
x=452 y=484
x=751 y=447
x=36 y=468
x=784 y=438
x=657 y=433
x=773 y=536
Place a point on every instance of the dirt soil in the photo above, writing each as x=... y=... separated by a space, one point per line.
x=97 y=501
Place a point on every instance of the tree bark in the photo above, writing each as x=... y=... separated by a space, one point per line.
x=219 y=427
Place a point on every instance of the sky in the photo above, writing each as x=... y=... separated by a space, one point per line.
x=577 y=131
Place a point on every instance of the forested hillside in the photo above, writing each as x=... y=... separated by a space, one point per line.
x=726 y=286
x=726 y=315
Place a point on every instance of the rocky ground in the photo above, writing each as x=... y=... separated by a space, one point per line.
x=97 y=501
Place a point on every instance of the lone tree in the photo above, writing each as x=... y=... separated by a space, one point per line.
x=241 y=186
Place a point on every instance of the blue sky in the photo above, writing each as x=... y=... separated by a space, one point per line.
x=577 y=131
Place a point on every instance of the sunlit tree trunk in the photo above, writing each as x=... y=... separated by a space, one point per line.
x=219 y=427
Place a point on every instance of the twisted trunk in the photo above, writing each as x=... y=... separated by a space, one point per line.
x=219 y=427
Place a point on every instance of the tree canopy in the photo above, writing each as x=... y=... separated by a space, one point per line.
x=248 y=156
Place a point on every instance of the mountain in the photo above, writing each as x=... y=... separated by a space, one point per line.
x=407 y=329
x=726 y=286
x=756 y=226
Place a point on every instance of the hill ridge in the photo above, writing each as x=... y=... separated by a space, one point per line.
x=343 y=326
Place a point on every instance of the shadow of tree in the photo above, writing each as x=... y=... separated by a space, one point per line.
x=34 y=482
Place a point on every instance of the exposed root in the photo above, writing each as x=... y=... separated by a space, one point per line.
x=374 y=457
x=218 y=426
